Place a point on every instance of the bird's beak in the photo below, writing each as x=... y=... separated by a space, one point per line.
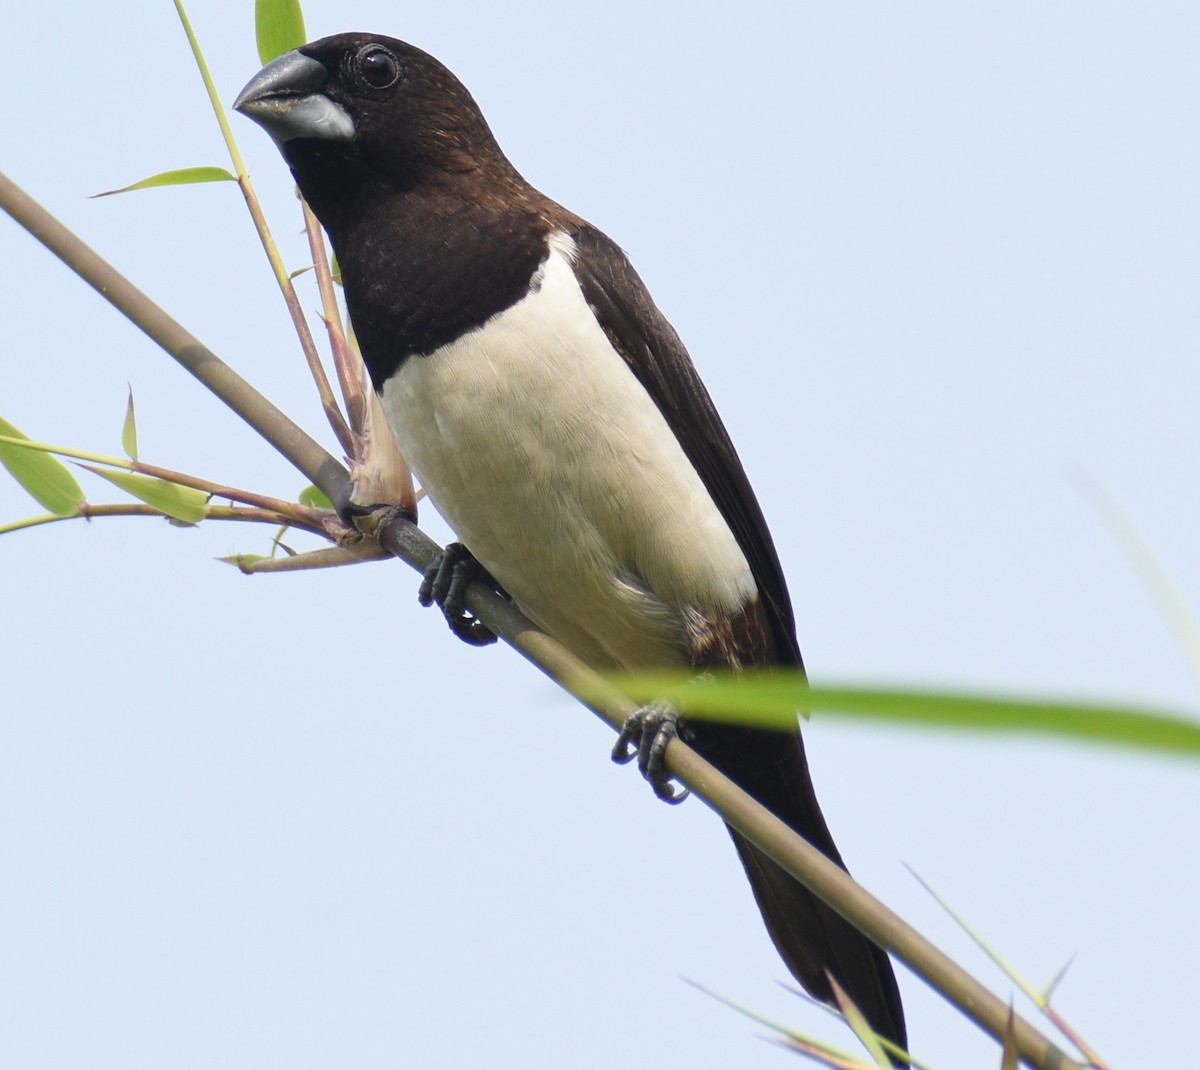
x=283 y=99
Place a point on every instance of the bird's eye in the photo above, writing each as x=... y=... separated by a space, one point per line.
x=378 y=67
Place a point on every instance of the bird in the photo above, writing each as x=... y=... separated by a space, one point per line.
x=557 y=423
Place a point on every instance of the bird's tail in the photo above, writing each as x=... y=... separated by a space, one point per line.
x=812 y=938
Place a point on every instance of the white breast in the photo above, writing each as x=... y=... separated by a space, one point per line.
x=551 y=463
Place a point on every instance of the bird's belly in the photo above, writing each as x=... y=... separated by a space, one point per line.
x=556 y=469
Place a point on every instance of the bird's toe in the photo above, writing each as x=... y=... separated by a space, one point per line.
x=646 y=734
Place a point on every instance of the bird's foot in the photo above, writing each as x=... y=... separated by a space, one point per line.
x=446 y=581
x=649 y=730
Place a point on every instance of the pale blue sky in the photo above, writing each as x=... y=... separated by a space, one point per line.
x=941 y=258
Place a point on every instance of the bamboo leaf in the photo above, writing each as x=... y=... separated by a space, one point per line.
x=185 y=504
x=45 y=477
x=244 y=562
x=278 y=27
x=129 y=430
x=184 y=176
x=314 y=498
x=772 y=701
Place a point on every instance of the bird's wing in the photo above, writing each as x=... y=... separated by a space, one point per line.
x=655 y=354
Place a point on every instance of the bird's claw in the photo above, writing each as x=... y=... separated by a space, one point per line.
x=445 y=582
x=649 y=730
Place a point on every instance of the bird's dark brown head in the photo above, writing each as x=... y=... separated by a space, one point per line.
x=394 y=157
x=364 y=111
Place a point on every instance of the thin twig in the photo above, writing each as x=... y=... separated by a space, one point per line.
x=326 y=557
x=349 y=367
x=311 y=356
x=295 y=513
x=88 y=511
x=312 y=517
x=1042 y=1002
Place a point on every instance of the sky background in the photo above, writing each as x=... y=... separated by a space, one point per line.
x=938 y=265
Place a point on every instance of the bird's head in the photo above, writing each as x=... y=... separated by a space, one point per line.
x=361 y=109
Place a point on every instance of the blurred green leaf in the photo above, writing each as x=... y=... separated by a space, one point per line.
x=129 y=430
x=185 y=176
x=772 y=700
x=278 y=27
x=45 y=477
x=312 y=496
x=185 y=504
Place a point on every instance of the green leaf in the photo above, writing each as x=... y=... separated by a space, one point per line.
x=313 y=497
x=129 y=430
x=185 y=176
x=773 y=699
x=43 y=476
x=244 y=562
x=185 y=504
x=278 y=27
